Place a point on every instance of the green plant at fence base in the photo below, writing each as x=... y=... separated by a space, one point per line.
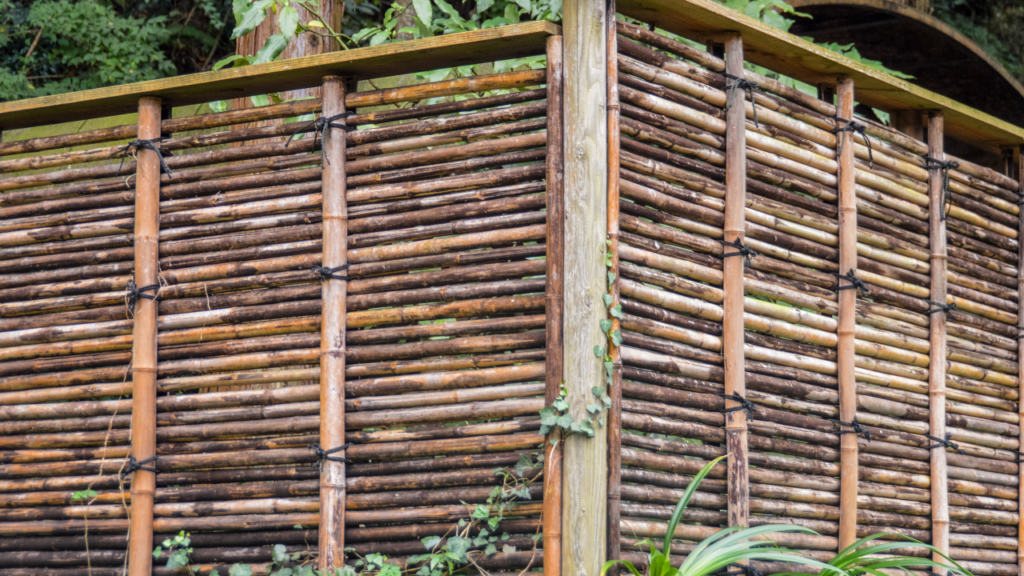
x=862 y=558
x=177 y=550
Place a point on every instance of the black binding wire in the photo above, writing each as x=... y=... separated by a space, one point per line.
x=132 y=149
x=945 y=166
x=134 y=465
x=854 y=283
x=326 y=274
x=855 y=427
x=945 y=308
x=132 y=294
x=745 y=251
x=321 y=124
x=747 y=86
x=944 y=443
x=325 y=455
x=1020 y=333
x=745 y=405
x=853 y=127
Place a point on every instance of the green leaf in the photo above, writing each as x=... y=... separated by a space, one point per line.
x=219 y=106
x=424 y=11
x=481 y=512
x=279 y=554
x=177 y=559
x=616 y=311
x=608 y=299
x=599 y=351
x=548 y=416
x=524 y=465
x=229 y=60
x=430 y=542
x=252 y=17
x=483 y=5
x=240 y=570
x=157 y=552
x=611 y=278
x=490 y=550
x=214 y=573
x=606 y=325
x=457 y=548
x=272 y=49
x=288 y=21
x=597 y=391
x=616 y=337
x=677 y=514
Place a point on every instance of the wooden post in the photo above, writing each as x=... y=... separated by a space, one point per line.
x=332 y=331
x=937 y=363
x=732 y=324
x=614 y=387
x=147 y=264
x=585 y=490
x=1018 y=163
x=553 y=291
x=848 y=472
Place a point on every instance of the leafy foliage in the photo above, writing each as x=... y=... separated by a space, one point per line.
x=865 y=557
x=997 y=26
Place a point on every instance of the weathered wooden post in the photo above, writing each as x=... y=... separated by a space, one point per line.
x=848 y=472
x=585 y=490
x=332 y=329
x=147 y=244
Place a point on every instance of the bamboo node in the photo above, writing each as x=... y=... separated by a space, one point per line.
x=944 y=443
x=325 y=455
x=131 y=465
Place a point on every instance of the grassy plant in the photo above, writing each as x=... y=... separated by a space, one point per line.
x=862 y=558
x=728 y=546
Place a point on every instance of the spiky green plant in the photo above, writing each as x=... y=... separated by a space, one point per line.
x=728 y=546
x=862 y=559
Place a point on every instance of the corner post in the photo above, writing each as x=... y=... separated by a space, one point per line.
x=144 y=346
x=1018 y=164
x=553 y=302
x=332 y=329
x=732 y=325
x=848 y=470
x=585 y=492
x=937 y=364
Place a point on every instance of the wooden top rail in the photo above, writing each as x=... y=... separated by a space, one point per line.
x=462 y=49
x=787 y=54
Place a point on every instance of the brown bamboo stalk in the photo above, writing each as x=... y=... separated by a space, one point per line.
x=1018 y=164
x=847 y=319
x=554 y=296
x=144 y=355
x=615 y=384
x=937 y=369
x=732 y=324
x=332 y=332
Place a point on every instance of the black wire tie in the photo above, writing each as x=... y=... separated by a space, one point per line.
x=854 y=283
x=133 y=294
x=132 y=149
x=945 y=166
x=325 y=455
x=321 y=124
x=747 y=86
x=855 y=428
x=944 y=443
x=854 y=127
x=941 y=307
x=134 y=465
x=331 y=273
x=741 y=250
x=745 y=405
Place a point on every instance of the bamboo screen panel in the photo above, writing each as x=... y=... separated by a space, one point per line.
x=446 y=330
x=66 y=257
x=672 y=201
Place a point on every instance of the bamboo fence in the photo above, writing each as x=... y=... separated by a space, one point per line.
x=337 y=332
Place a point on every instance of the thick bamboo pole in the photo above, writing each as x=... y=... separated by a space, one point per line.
x=732 y=323
x=554 y=300
x=332 y=331
x=615 y=388
x=937 y=352
x=1018 y=157
x=144 y=346
x=585 y=459
x=847 y=319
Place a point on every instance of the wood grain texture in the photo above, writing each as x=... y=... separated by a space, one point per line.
x=1018 y=161
x=805 y=61
x=585 y=480
x=732 y=324
x=937 y=338
x=373 y=62
x=848 y=472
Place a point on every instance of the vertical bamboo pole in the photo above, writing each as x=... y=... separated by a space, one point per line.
x=553 y=291
x=937 y=363
x=732 y=325
x=848 y=472
x=147 y=263
x=614 y=388
x=1018 y=163
x=585 y=491
x=332 y=332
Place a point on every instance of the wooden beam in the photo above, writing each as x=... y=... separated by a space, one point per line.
x=144 y=346
x=848 y=471
x=787 y=54
x=615 y=385
x=937 y=337
x=334 y=292
x=585 y=489
x=462 y=49
x=733 y=268
x=553 y=306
